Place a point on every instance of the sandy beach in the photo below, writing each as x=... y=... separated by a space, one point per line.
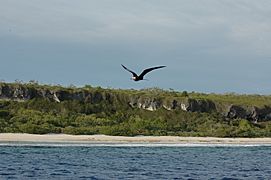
x=88 y=139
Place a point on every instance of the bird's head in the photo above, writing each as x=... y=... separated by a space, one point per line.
x=133 y=78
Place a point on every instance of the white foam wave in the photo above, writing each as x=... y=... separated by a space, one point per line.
x=46 y=144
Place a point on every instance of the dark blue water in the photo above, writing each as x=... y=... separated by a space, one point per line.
x=70 y=162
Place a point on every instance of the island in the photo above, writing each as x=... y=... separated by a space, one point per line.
x=53 y=109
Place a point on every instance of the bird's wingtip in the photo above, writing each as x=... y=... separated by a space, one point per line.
x=123 y=66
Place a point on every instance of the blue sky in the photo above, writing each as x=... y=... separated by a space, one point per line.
x=207 y=45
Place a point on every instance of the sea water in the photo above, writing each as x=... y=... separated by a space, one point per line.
x=132 y=161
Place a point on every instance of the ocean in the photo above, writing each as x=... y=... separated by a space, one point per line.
x=131 y=161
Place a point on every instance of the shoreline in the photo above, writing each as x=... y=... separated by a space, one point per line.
x=7 y=138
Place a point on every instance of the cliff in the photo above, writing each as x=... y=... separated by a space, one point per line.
x=227 y=106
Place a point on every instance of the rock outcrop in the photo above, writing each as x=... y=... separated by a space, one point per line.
x=21 y=92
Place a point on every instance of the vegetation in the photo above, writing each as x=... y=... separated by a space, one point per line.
x=41 y=115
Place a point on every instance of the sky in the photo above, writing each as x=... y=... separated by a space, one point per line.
x=208 y=46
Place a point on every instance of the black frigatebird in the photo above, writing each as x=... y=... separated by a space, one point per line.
x=140 y=77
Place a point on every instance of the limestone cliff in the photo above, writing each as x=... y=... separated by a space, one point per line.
x=24 y=92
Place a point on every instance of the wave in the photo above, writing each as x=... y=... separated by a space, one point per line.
x=64 y=144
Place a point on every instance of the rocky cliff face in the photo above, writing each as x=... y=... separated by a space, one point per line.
x=20 y=92
x=23 y=93
x=231 y=111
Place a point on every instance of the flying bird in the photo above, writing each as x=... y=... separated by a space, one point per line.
x=140 y=77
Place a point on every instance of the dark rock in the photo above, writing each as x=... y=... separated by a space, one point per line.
x=236 y=112
x=200 y=105
x=261 y=114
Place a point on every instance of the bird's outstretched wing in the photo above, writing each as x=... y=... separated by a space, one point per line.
x=148 y=70
x=134 y=74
